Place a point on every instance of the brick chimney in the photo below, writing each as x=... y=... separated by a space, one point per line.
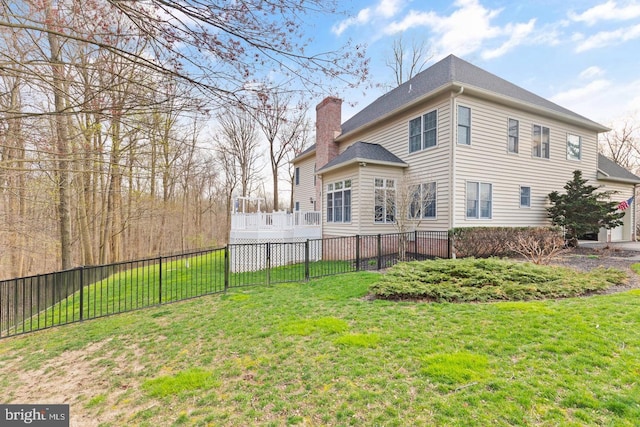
x=328 y=121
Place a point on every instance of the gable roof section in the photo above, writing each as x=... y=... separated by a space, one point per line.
x=364 y=152
x=452 y=73
x=611 y=171
x=305 y=153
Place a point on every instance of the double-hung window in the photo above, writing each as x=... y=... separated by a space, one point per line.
x=514 y=137
x=479 y=200
x=423 y=131
x=297 y=176
x=525 y=197
x=384 y=200
x=423 y=201
x=540 y=141
x=464 y=125
x=339 y=201
x=574 y=147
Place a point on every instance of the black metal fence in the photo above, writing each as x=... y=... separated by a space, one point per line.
x=33 y=303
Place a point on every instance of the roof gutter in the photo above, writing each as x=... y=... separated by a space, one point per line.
x=397 y=111
x=482 y=93
x=506 y=100
x=606 y=177
x=363 y=163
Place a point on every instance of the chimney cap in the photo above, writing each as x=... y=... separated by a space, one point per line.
x=329 y=100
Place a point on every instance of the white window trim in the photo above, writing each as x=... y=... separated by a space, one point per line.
x=579 y=148
x=520 y=197
x=422 y=132
x=385 y=188
x=342 y=189
x=479 y=217
x=509 y=137
x=458 y=125
x=533 y=125
x=435 y=200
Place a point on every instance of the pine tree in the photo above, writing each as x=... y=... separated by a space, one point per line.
x=583 y=209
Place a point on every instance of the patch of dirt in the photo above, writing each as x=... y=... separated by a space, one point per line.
x=74 y=378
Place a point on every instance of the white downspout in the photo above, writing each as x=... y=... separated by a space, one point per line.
x=452 y=177
x=454 y=135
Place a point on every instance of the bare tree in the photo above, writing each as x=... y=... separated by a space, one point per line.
x=405 y=202
x=406 y=62
x=282 y=123
x=214 y=47
x=622 y=144
x=300 y=133
x=98 y=155
x=237 y=137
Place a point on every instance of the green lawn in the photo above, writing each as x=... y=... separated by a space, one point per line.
x=320 y=353
x=150 y=284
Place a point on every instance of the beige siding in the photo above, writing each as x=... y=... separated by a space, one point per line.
x=367 y=200
x=487 y=160
x=343 y=228
x=623 y=192
x=305 y=191
x=432 y=164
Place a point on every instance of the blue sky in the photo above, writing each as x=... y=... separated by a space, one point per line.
x=583 y=55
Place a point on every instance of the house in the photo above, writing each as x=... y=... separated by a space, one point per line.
x=473 y=150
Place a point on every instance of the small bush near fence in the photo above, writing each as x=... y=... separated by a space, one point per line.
x=534 y=243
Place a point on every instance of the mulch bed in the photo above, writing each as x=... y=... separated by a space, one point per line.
x=586 y=259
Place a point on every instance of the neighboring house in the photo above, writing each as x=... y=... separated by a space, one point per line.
x=486 y=151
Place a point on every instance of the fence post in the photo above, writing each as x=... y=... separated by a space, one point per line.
x=415 y=245
x=226 y=268
x=449 y=244
x=357 y=252
x=379 y=251
x=81 y=270
x=160 y=280
x=268 y=248
x=306 y=260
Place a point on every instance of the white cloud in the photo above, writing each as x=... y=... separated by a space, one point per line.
x=607 y=38
x=609 y=11
x=601 y=100
x=388 y=8
x=466 y=30
x=518 y=33
x=384 y=9
x=572 y=96
x=591 y=72
x=361 y=18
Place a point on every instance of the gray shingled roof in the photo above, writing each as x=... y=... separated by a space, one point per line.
x=613 y=171
x=449 y=71
x=364 y=152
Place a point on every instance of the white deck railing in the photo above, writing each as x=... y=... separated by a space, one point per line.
x=274 y=220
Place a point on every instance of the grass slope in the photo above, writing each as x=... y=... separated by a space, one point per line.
x=319 y=353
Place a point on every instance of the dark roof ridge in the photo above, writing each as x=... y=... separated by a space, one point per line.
x=449 y=71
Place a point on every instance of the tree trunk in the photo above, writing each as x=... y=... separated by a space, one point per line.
x=62 y=145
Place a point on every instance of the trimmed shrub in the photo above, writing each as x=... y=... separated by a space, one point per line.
x=486 y=242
